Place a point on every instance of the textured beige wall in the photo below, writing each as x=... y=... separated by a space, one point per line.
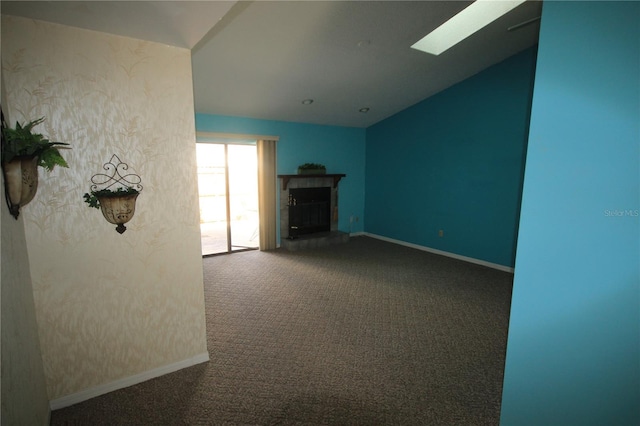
x=23 y=390
x=108 y=305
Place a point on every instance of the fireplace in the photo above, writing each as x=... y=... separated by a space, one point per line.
x=309 y=211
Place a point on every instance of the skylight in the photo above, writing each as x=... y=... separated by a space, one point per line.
x=471 y=19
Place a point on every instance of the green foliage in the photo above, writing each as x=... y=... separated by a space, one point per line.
x=21 y=141
x=92 y=198
x=311 y=166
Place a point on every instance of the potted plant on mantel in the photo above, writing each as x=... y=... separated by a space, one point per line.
x=117 y=206
x=22 y=151
x=311 y=169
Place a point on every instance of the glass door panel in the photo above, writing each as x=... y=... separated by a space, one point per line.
x=228 y=190
x=243 y=187
x=213 y=196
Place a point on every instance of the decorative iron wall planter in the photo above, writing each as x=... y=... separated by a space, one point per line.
x=22 y=152
x=21 y=182
x=115 y=193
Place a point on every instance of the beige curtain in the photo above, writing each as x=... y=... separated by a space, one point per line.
x=267 y=193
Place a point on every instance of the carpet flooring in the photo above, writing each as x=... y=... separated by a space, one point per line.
x=365 y=333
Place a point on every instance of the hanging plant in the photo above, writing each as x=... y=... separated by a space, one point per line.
x=117 y=205
x=22 y=151
x=23 y=142
x=93 y=198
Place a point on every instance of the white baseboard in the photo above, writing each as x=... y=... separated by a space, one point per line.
x=442 y=253
x=357 y=234
x=86 y=394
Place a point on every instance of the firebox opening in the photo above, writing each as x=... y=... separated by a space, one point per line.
x=309 y=211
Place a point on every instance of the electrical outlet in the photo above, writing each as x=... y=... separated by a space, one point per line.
x=440 y=233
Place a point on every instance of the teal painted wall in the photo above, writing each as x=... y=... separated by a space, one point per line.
x=573 y=354
x=341 y=149
x=455 y=162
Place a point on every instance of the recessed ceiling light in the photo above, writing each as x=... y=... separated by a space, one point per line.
x=471 y=19
x=365 y=110
x=307 y=102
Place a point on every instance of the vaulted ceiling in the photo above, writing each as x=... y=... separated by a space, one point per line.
x=261 y=59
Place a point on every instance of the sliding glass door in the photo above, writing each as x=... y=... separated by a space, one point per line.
x=228 y=187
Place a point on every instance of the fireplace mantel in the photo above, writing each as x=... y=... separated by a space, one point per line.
x=286 y=178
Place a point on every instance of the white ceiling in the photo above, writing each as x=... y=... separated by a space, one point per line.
x=261 y=59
